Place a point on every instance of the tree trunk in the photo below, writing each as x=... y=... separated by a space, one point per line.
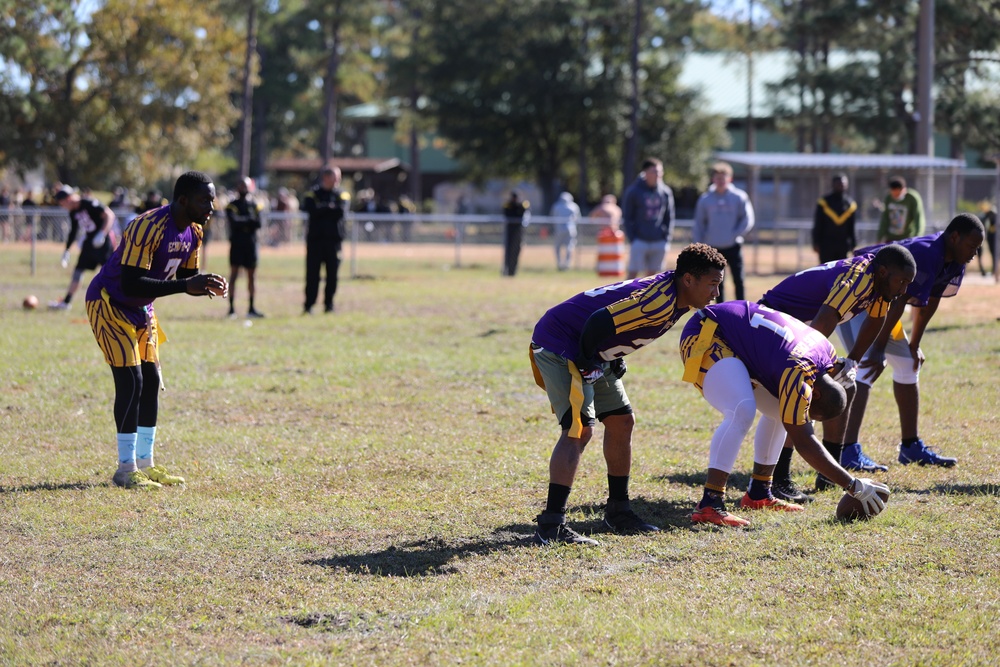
x=246 y=122
x=632 y=136
x=330 y=88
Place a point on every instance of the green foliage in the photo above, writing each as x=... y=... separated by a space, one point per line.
x=147 y=81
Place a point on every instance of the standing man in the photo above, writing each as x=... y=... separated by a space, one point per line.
x=902 y=213
x=518 y=213
x=746 y=358
x=577 y=351
x=941 y=260
x=831 y=294
x=722 y=217
x=96 y=221
x=648 y=218
x=564 y=237
x=159 y=255
x=243 y=217
x=326 y=205
x=833 y=223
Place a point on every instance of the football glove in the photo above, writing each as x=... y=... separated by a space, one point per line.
x=866 y=491
x=847 y=375
x=591 y=372
x=65 y=259
x=618 y=367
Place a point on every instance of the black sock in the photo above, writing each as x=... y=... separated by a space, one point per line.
x=835 y=449
x=759 y=489
x=69 y=297
x=251 y=304
x=910 y=441
x=558 y=495
x=617 y=488
x=782 y=469
x=711 y=498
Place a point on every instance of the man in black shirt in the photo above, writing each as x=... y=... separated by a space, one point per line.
x=326 y=205
x=243 y=217
x=96 y=221
x=833 y=223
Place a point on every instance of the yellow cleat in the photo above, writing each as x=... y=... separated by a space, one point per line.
x=160 y=474
x=134 y=479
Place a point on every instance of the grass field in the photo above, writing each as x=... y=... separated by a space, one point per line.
x=361 y=489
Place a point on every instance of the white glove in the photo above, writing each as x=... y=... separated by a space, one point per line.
x=65 y=259
x=99 y=239
x=866 y=490
x=848 y=374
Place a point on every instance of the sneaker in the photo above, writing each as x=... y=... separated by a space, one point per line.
x=232 y=315
x=717 y=516
x=160 y=474
x=852 y=458
x=786 y=489
x=619 y=518
x=134 y=479
x=58 y=305
x=748 y=503
x=921 y=454
x=822 y=483
x=255 y=314
x=552 y=529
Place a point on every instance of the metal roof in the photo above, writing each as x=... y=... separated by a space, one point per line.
x=839 y=161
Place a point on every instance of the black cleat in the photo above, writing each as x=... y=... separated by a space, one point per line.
x=619 y=518
x=552 y=529
x=787 y=490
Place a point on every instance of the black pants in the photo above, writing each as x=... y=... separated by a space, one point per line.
x=734 y=259
x=513 y=237
x=319 y=253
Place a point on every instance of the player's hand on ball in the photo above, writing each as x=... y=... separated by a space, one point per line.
x=848 y=373
x=65 y=259
x=866 y=492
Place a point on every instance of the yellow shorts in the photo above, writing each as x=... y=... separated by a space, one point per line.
x=123 y=343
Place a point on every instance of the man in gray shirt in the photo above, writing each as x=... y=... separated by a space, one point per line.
x=648 y=220
x=722 y=217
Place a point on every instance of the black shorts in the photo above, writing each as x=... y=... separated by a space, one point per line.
x=243 y=254
x=91 y=257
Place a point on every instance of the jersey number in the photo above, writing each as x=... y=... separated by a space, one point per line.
x=172 y=266
x=758 y=320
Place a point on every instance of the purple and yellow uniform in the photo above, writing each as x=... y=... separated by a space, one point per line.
x=125 y=326
x=642 y=310
x=781 y=353
x=847 y=286
x=935 y=277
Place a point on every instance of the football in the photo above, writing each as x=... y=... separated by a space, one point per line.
x=30 y=302
x=850 y=509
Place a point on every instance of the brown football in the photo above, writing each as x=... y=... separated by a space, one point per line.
x=850 y=509
x=30 y=302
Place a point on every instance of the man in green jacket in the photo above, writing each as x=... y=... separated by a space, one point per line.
x=902 y=214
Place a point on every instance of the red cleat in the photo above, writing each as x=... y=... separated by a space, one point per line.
x=719 y=517
x=771 y=503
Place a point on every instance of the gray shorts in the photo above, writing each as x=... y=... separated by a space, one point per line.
x=897 y=352
x=604 y=397
x=645 y=258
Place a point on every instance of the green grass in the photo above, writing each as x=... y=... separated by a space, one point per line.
x=361 y=490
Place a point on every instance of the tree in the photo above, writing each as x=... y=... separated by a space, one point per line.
x=129 y=95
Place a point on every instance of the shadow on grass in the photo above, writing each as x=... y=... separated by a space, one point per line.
x=50 y=486
x=945 y=488
x=428 y=557
x=737 y=480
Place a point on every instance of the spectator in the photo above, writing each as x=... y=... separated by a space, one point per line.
x=833 y=223
x=243 y=217
x=722 y=217
x=326 y=205
x=608 y=209
x=564 y=237
x=518 y=213
x=902 y=213
x=648 y=215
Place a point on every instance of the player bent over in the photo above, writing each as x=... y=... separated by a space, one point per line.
x=159 y=255
x=577 y=351
x=745 y=358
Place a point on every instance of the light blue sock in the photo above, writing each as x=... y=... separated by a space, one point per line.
x=144 y=446
x=126 y=449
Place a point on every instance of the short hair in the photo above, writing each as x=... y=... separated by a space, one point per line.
x=722 y=168
x=64 y=192
x=698 y=259
x=965 y=223
x=897 y=182
x=189 y=183
x=841 y=176
x=832 y=399
x=650 y=162
x=895 y=256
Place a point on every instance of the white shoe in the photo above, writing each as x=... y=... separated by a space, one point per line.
x=58 y=305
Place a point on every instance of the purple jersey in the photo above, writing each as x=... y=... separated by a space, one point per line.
x=151 y=242
x=846 y=285
x=642 y=309
x=935 y=277
x=780 y=352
